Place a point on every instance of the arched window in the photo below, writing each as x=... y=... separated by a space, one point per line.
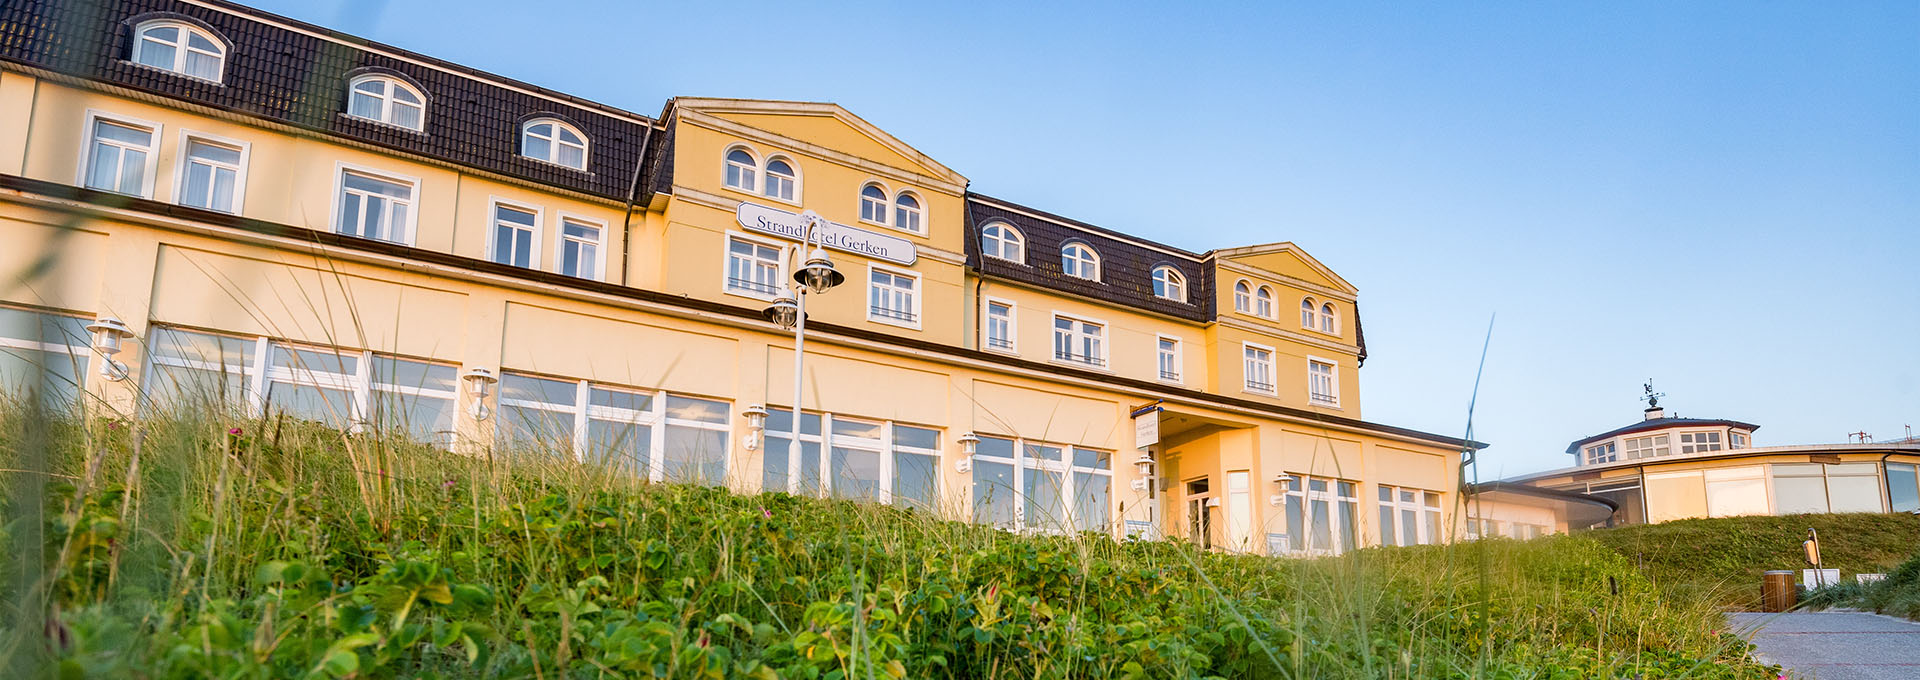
x=781 y=179
x=1243 y=298
x=181 y=48
x=873 y=204
x=1001 y=241
x=906 y=212
x=553 y=141
x=1326 y=318
x=743 y=172
x=1263 y=302
x=1169 y=284
x=385 y=99
x=1079 y=261
x=1306 y=313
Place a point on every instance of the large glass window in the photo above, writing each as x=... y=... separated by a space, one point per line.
x=1626 y=495
x=1027 y=485
x=1799 y=488
x=652 y=435
x=1003 y=242
x=513 y=235
x=385 y=99
x=878 y=461
x=1902 y=494
x=375 y=207
x=1321 y=515
x=555 y=142
x=210 y=175
x=1409 y=517
x=120 y=157
x=1733 y=492
x=753 y=267
x=45 y=352
x=181 y=48
x=1079 y=341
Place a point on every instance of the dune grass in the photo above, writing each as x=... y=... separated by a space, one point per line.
x=1720 y=560
x=199 y=545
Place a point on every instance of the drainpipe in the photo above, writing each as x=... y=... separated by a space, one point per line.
x=633 y=194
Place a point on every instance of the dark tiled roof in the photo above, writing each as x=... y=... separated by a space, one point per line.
x=1660 y=424
x=299 y=79
x=1126 y=267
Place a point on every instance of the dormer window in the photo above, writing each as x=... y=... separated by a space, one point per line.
x=1169 y=284
x=1001 y=241
x=553 y=141
x=385 y=99
x=180 y=47
x=1079 y=261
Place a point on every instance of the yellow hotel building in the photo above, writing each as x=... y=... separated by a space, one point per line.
x=298 y=221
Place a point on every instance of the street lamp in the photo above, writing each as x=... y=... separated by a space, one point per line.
x=479 y=381
x=789 y=311
x=108 y=334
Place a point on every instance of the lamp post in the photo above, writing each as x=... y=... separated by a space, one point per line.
x=790 y=311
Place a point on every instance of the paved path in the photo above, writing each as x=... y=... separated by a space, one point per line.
x=1835 y=645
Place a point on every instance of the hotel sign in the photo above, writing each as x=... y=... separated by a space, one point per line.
x=788 y=225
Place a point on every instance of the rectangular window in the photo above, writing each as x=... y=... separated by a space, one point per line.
x=120 y=157
x=753 y=268
x=1323 y=383
x=1736 y=440
x=1000 y=326
x=656 y=436
x=374 y=207
x=1732 y=492
x=1322 y=515
x=1799 y=488
x=1167 y=357
x=1902 y=493
x=349 y=389
x=211 y=174
x=45 y=352
x=1603 y=453
x=1079 y=341
x=1257 y=366
x=1647 y=447
x=1409 y=517
x=883 y=462
x=893 y=298
x=1699 y=442
x=580 y=249
x=513 y=235
x=1025 y=485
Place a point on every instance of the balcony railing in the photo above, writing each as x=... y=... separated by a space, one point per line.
x=894 y=314
x=1169 y=375
x=1259 y=386
x=1087 y=359
x=752 y=286
x=1000 y=343
x=1323 y=398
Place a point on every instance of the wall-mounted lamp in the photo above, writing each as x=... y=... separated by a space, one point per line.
x=108 y=335
x=969 y=443
x=1213 y=502
x=1144 y=464
x=479 y=382
x=756 y=424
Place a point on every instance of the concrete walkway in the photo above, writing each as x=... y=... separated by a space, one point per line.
x=1837 y=645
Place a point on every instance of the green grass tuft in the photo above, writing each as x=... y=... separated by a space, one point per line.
x=1721 y=560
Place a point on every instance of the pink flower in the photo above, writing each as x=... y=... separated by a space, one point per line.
x=767 y=513
x=447 y=485
x=234 y=431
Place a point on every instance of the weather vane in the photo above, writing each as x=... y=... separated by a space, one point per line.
x=1652 y=398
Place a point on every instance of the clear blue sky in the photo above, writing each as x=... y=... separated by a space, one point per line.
x=1724 y=198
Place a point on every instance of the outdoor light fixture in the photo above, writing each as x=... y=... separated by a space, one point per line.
x=784 y=312
x=789 y=312
x=969 y=443
x=479 y=382
x=1213 y=502
x=108 y=335
x=1145 y=465
x=818 y=275
x=756 y=424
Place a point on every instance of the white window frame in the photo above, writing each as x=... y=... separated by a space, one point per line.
x=1013 y=325
x=885 y=446
x=798 y=179
x=560 y=240
x=1174 y=281
x=1178 y=358
x=1426 y=517
x=1296 y=486
x=493 y=225
x=752 y=171
x=80 y=355
x=181 y=163
x=1738 y=440
x=1065 y=467
x=920 y=213
x=1263 y=303
x=884 y=204
x=554 y=142
x=727 y=284
x=655 y=418
x=1243 y=297
x=1329 y=319
x=387 y=101
x=1601 y=453
x=1309 y=313
x=1248 y=363
x=1105 y=339
x=340 y=170
x=180 y=49
x=917 y=299
x=1700 y=443
x=1333 y=377
x=148 y=176
x=1650 y=446
x=1019 y=240
x=1091 y=261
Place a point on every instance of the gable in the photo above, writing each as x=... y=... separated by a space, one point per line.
x=830 y=132
x=1289 y=263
